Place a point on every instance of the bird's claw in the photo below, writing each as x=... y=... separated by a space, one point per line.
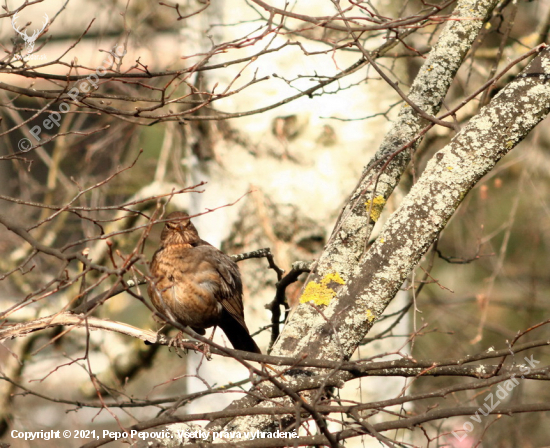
x=178 y=342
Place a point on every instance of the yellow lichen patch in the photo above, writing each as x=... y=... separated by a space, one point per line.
x=320 y=293
x=370 y=316
x=332 y=277
x=377 y=206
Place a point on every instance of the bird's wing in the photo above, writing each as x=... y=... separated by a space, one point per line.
x=230 y=292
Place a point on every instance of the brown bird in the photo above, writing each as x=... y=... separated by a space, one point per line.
x=197 y=285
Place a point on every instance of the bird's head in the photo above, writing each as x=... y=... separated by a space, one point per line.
x=179 y=230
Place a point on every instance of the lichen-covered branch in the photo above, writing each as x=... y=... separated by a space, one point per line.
x=347 y=243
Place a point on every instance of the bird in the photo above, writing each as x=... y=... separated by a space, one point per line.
x=197 y=285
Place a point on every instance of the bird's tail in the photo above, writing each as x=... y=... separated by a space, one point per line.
x=237 y=334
